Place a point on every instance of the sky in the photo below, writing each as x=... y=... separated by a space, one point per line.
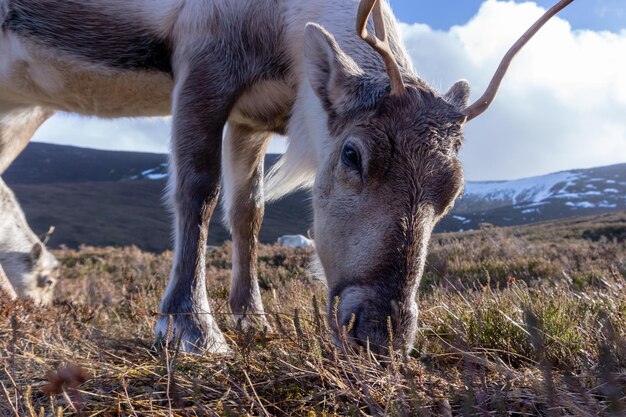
x=561 y=106
x=442 y=14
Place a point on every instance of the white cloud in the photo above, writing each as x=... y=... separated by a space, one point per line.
x=562 y=104
x=142 y=134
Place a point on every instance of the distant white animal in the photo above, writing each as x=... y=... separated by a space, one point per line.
x=295 y=241
x=31 y=271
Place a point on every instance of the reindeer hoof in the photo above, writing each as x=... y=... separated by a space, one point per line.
x=192 y=333
x=251 y=321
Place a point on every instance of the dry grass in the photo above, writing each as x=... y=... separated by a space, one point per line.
x=525 y=321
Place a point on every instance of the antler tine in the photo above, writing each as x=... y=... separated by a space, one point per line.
x=379 y=42
x=483 y=103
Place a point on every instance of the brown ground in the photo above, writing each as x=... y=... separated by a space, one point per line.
x=519 y=321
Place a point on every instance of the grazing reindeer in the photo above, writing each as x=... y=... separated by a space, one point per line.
x=377 y=144
x=27 y=269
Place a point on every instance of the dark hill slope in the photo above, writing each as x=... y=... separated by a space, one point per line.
x=46 y=163
x=93 y=197
x=133 y=213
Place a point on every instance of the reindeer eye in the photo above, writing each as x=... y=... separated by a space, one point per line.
x=351 y=157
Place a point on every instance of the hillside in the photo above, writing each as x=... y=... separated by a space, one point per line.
x=553 y=196
x=46 y=163
x=103 y=198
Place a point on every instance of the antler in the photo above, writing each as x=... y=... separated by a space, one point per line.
x=379 y=42
x=486 y=99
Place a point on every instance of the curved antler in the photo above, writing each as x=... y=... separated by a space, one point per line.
x=486 y=99
x=379 y=42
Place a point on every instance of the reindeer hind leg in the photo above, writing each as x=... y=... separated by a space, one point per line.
x=243 y=158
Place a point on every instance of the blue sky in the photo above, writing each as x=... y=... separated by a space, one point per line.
x=442 y=14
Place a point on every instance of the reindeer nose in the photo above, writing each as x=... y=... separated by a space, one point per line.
x=373 y=330
x=373 y=322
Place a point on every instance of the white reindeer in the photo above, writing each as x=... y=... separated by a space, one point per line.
x=27 y=269
x=377 y=144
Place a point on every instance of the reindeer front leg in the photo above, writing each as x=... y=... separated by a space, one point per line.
x=243 y=158
x=201 y=105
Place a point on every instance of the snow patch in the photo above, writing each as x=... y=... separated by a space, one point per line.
x=606 y=204
x=153 y=173
x=538 y=204
x=156 y=176
x=526 y=190
x=580 y=204
x=465 y=220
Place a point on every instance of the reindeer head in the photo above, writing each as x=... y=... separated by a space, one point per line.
x=392 y=171
x=35 y=274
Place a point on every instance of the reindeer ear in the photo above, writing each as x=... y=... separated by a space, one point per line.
x=36 y=253
x=458 y=95
x=45 y=238
x=328 y=68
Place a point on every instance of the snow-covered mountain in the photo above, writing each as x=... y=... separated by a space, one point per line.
x=557 y=195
